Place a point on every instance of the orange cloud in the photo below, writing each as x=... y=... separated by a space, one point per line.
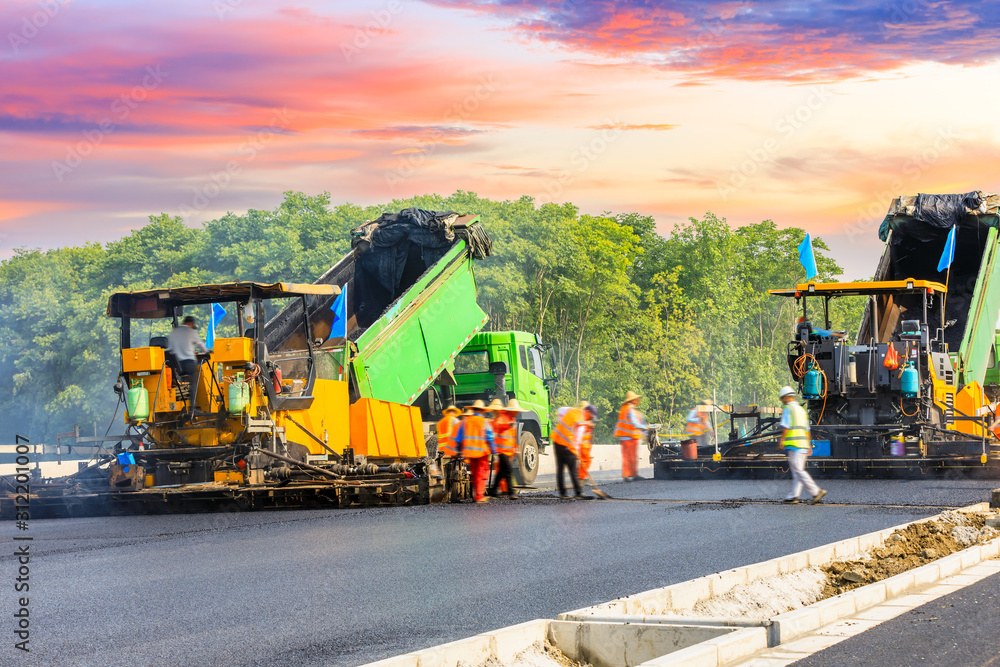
x=632 y=126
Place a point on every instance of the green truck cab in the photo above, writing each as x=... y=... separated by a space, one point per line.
x=518 y=365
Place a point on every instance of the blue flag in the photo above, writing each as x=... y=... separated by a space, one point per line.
x=949 y=251
x=807 y=258
x=218 y=312
x=338 y=329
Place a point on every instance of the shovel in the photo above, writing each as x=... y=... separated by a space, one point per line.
x=597 y=492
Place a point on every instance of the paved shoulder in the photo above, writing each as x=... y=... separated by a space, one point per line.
x=957 y=629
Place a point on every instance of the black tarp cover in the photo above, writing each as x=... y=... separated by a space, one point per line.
x=939 y=211
x=920 y=227
x=394 y=251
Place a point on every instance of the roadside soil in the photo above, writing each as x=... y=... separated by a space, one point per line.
x=539 y=654
x=907 y=548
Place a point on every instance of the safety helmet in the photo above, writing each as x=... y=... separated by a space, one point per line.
x=786 y=391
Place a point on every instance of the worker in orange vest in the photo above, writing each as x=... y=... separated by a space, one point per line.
x=628 y=431
x=505 y=428
x=568 y=436
x=585 y=447
x=446 y=428
x=474 y=441
x=697 y=425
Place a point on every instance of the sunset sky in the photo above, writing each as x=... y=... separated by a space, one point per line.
x=812 y=114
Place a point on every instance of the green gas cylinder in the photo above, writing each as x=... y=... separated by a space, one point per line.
x=909 y=381
x=812 y=384
x=137 y=401
x=239 y=395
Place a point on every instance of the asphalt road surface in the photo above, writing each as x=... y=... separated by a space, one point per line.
x=958 y=629
x=352 y=586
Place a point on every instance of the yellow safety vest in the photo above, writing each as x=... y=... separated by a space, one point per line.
x=797 y=436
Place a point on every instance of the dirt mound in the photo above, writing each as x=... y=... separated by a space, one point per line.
x=539 y=654
x=907 y=548
x=764 y=598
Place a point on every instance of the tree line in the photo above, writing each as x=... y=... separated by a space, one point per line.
x=676 y=317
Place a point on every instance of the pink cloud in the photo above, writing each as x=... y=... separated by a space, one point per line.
x=768 y=39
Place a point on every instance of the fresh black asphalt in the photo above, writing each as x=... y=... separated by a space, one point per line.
x=351 y=586
x=957 y=629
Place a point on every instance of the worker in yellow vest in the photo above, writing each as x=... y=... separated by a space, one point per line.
x=446 y=428
x=474 y=441
x=568 y=436
x=628 y=431
x=796 y=442
x=586 y=457
x=505 y=429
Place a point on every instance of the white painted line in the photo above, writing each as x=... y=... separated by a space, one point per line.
x=912 y=601
x=814 y=643
x=943 y=589
x=880 y=613
x=847 y=628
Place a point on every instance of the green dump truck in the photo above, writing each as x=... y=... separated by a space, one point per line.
x=413 y=327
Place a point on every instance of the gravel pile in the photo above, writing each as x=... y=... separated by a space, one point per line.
x=907 y=548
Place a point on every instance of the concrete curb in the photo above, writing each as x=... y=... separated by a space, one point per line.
x=643 y=624
x=793 y=624
x=687 y=594
x=715 y=652
x=603 y=644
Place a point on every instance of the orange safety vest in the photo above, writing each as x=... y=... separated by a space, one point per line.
x=446 y=435
x=624 y=429
x=505 y=432
x=699 y=427
x=474 y=444
x=564 y=434
x=586 y=441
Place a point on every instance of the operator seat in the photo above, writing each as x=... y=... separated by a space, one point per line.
x=168 y=357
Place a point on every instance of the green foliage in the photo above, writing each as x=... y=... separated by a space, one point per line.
x=675 y=317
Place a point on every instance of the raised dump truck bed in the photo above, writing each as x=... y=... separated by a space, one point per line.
x=915 y=231
x=410 y=306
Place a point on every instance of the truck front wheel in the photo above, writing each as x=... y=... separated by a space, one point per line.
x=527 y=459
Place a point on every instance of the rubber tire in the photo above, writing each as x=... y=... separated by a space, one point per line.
x=526 y=469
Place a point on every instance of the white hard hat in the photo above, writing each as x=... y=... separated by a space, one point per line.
x=786 y=391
